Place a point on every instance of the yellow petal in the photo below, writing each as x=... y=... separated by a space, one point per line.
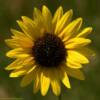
x=20 y=41
x=45 y=83
x=19 y=52
x=71 y=29
x=28 y=78
x=22 y=71
x=24 y=42
x=28 y=22
x=55 y=87
x=40 y=21
x=19 y=63
x=76 y=56
x=90 y=54
x=63 y=21
x=32 y=68
x=17 y=73
x=65 y=80
x=14 y=65
x=85 y=32
x=24 y=29
x=37 y=14
x=47 y=18
x=58 y=14
x=17 y=33
x=32 y=27
x=77 y=42
x=38 y=17
x=73 y=63
x=12 y=43
x=76 y=73
x=36 y=85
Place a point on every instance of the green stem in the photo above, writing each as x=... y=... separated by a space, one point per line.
x=59 y=97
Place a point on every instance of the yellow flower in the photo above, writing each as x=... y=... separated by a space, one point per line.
x=48 y=49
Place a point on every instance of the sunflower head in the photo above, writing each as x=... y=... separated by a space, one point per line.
x=48 y=49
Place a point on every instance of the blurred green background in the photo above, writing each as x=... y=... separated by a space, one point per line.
x=12 y=10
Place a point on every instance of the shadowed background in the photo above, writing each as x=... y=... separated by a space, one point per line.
x=12 y=10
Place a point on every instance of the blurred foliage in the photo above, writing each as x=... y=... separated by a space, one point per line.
x=12 y=10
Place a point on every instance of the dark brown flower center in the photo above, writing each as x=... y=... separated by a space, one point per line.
x=49 y=51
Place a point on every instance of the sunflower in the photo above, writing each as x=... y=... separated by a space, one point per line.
x=48 y=49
